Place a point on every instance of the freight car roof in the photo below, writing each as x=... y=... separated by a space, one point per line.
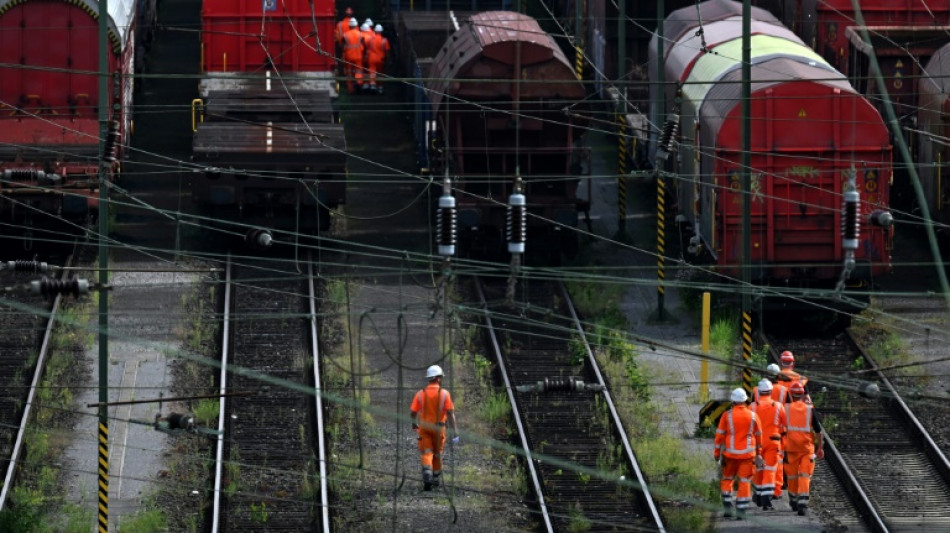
x=683 y=20
x=681 y=55
x=487 y=44
x=120 y=13
x=936 y=78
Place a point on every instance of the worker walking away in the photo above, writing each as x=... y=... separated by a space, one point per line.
x=338 y=32
x=772 y=421
x=353 y=52
x=738 y=450
x=366 y=30
x=780 y=395
x=804 y=444
x=431 y=408
x=788 y=373
x=376 y=51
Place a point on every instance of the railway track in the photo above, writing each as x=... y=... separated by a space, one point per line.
x=25 y=334
x=270 y=473
x=532 y=340
x=881 y=454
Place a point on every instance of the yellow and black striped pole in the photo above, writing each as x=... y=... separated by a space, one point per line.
x=103 y=477
x=660 y=245
x=580 y=10
x=621 y=172
x=747 y=351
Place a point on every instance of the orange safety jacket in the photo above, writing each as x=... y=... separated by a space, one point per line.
x=792 y=376
x=377 y=48
x=801 y=428
x=739 y=435
x=341 y=28
x=353 y=46
x=433 y=404
x=772 y=419
x=779 y=393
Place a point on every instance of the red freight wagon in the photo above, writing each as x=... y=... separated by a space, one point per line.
x=813 y=138
x=498 y=89
x=49 y=95
x=823 y=24
x=288 y=36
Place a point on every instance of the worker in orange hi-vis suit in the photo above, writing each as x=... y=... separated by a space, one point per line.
x=739 y=451
x=341 y=28
x=366 y=30
x=788 y=373
x=431 y=408
x=780 y=395
x=376 y=51
x=804 y=444
x=771 y=415
x=353 y=54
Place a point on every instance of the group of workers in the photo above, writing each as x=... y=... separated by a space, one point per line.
x=361 y=52
x=774 y=440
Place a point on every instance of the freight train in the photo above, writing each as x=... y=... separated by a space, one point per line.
x=820 y=152
x=504 y=116
x=49 y=95
x=270 y=151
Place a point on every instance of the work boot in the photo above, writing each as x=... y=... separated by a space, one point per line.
x=436 y=479
x=740 y=513
x=757 y=499
x=728 y=511
x=802 y=509
x=426 y=480
x=766 y=500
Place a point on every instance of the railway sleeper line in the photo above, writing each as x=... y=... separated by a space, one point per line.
x=881 y=455
x=271 y=443
x=15 y=350
x=557 y=407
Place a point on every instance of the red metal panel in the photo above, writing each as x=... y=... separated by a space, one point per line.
x=832 y=18
x=247 y=35
x=798 y=179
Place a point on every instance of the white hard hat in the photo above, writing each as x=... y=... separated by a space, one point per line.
x=353 y=23
x=368 y=22
x=772 y=369
x=378 y=28
x=765 y=386
x=365 y=27
x=738 y=395
x=433 y=371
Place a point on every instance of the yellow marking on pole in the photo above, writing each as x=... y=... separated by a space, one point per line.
x=747 y=351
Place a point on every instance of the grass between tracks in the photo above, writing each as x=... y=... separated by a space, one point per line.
x=683 y=494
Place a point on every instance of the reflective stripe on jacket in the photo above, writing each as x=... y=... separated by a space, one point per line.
x=801 y=437
x=738 y=436
x=772 y=420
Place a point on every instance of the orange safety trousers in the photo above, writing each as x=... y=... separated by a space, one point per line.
x=353 y=53
x=431 y=445
x=376 y=51
x=743 y=469
x=800 y=468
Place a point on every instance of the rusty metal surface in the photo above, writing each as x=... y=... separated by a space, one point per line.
x=490 y=46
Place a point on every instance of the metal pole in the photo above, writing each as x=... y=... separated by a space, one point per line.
x=104 y=170
x=622 y=153
x=746 y=200
x=660 y=180
x=579 y=39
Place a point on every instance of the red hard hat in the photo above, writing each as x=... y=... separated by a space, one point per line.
x=788 y=358
x=796 y=389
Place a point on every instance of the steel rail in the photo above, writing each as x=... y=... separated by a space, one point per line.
x=38 y=372
x=219 y=452
x=318 y=402
x=647 y=498
x=910 y=420
x=522 y=434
